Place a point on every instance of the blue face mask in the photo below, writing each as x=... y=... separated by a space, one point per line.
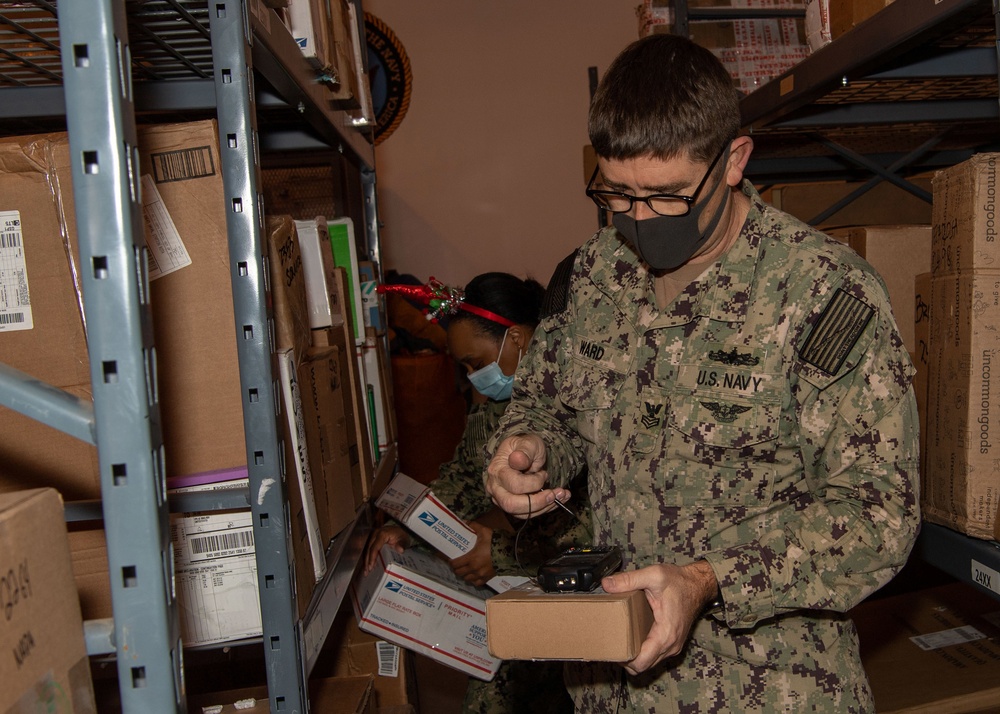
x=491 y=382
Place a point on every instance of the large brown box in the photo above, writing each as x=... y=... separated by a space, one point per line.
x=44 y=666
x=198 y=379
x=962 y=439
x=899 y=254
x=964 y=217
x=334 y=695
x=935 y=650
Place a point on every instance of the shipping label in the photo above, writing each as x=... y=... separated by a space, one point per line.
x=15 y=299
x=167 y=252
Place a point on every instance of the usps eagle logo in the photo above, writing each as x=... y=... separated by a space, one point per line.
x=428 y=519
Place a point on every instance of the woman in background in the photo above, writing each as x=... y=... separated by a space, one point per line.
x=491 y=324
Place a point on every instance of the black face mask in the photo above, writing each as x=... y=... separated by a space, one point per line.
x=667 y=242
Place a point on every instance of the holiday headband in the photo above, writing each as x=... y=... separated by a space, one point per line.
x=443 y=300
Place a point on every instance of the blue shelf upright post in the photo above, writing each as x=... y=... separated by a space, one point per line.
x=100 y=116
x=232 y=38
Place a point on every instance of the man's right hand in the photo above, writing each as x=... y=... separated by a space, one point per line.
x=395 y=536
x=516 y=475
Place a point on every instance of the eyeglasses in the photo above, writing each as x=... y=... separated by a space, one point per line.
x=662 y=204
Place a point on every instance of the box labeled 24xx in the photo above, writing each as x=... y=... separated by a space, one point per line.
x=415 y=506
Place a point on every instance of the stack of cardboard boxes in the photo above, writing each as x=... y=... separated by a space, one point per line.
x=960 y=488
x=325 y=417
x=328 y=33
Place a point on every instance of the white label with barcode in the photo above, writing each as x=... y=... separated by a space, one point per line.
x=15 y=300
x=167 y=252
x=947 y=638
x=388 y=659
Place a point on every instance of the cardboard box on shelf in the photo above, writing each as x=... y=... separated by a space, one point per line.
x=961 y=489
x=335 y=464
x=288 y=286
x=845 y=14
x=528 y=623
x=964 y=236
x=299 y=460
x=309 y=23
x=183 y=205
x=817 y=24
x=45 y=665
x=885 y=204
x=899 y=254
x=933 y=650
x=414 y=600
x=414 y=505
x=754 y=51
x=355 y=401
x=215 y=572
x=346 y=92
x=350 y=652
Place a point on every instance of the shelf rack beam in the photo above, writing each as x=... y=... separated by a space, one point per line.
x=233 y=62
x=97 y=82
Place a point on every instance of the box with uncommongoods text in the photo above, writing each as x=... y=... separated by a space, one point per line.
x=964 y=225
x=962 y=437
x=414 y=600
x=415 y=506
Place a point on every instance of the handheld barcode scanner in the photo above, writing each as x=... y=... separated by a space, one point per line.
x=578 y=569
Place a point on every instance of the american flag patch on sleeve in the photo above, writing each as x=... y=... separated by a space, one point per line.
x=835 y=334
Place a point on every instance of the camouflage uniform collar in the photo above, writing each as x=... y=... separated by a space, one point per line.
x=721 y=293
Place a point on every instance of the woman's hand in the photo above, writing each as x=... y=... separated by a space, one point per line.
x=395 y=536
x=476 y=566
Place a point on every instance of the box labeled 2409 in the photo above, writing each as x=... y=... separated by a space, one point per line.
x=414 y=600
x=415 y=506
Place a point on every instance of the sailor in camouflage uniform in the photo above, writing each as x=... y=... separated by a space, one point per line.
x=738 y=389
x=492 y=322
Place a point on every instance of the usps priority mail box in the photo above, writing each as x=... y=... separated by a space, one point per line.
x=412 y=599
x=416 y=507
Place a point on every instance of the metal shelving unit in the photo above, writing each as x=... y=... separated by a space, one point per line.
x=190 y=58
x=910 y=90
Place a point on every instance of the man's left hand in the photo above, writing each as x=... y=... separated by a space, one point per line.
x=677 y=596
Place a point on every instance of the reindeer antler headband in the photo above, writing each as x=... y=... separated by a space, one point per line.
x=443 y=300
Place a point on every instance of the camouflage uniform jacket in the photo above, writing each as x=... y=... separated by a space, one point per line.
x=459 y=485
x=763 y=421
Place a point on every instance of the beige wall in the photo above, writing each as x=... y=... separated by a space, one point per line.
x=485 y=172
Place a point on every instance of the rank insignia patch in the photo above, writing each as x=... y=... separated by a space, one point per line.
x=725 y=413
x=651 y=419
x=839 y=327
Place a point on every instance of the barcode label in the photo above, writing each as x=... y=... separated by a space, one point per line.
x=220 y=543
x=183 y=165
x=15 y=299
x=946 y=638
x=388 y=659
